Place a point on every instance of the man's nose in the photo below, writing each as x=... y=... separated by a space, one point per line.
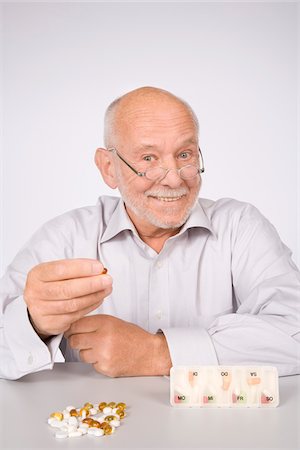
x=172 y=178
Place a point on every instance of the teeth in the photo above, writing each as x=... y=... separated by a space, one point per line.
x=168 y=199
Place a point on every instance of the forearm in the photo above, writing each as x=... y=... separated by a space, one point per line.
x=256 y=339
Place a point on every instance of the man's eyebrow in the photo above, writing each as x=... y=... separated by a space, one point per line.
x=145 y=146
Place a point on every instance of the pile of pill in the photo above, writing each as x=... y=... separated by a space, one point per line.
x=95 y=419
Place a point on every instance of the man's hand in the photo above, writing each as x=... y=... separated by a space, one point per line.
x=118 y=348
x=58 y=293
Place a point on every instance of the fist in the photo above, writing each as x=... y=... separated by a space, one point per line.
x=118 y=348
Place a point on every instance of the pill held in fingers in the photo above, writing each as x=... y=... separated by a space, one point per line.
x=104 y=271
x=93 y=419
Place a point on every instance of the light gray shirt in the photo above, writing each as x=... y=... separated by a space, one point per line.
x=224 y=290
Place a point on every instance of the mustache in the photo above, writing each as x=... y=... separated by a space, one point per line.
x=170 y=193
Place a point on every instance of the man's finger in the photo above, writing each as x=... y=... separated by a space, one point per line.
x=65 y=269
x=77 y=287
x=85 y=325
x=81 y=341
x=58 y=307
x=88 y=356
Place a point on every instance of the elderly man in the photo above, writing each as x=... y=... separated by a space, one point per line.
x=190 y=281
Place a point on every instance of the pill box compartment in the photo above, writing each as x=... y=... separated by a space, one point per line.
x=224 y=386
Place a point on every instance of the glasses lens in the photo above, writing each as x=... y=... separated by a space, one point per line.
x=155 y=174
x=188 y=172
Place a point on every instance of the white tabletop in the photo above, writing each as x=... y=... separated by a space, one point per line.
x=151 y=421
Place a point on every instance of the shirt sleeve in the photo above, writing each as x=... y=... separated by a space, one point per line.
x=264 y=329
x=22 y=350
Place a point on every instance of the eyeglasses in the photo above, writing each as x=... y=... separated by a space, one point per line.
x=158 y=173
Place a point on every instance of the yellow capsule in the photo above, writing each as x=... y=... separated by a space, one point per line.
x=57 y=415
x=107 y=428
x=102 y=405
x=88 y=405
x=121 y=413
x=74 y=413
x=84 y=412
x=110 y=418
x=121 y=405
x=112 y=404
x=95 y=424
x=88 y=420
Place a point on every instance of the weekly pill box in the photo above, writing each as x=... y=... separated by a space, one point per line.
x=224 y=386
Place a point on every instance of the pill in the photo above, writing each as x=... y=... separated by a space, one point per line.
x=121 y=405
x=83 y=430
x=115 y=423
x=102 y=405
x=108 y=429
x=84 y=412
x=88 y=421
x=84 y=425
x=112 y=404
x=98 y=432
x=253 y=380
x=121 y=413
x=92 y=431
x=61 y=434
x=95 y=424
x=73 y=412
x=107 y=410
x=104 y=271
x=66 y=414
x=109 y=418
x=76 y=433
x=88 y=405
x=93 y=411
x=73 y=421
x=51 y=420
x=55 y=423
x=57 y=415
x=68 y=408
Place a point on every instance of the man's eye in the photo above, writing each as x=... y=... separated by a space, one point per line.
x=148 y=158
x=184 y=155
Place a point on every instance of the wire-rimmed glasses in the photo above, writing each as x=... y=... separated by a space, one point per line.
x=187 y=172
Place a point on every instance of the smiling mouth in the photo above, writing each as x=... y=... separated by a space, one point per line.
x=168 y=199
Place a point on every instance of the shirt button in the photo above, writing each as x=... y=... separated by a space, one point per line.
x=30 y=359
x=158 y=314
x=159 y=264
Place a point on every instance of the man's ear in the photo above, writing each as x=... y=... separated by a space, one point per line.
x=104 y=162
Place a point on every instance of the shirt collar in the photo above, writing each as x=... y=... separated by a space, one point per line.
x=120 y=221
x=197 y=219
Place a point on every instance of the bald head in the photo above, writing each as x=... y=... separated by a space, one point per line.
x=143 y=99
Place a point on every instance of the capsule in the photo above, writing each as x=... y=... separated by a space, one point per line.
x=95 y=424
x=84 y=412
x=57 y=415
x=102 y=405
x=88 y=405
x=121 y=413
x=121 y=405
x=104 y=271
x=88 y=420
x=112 y=405
x=110 y=418
x=74 y=413
x=108 y=429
